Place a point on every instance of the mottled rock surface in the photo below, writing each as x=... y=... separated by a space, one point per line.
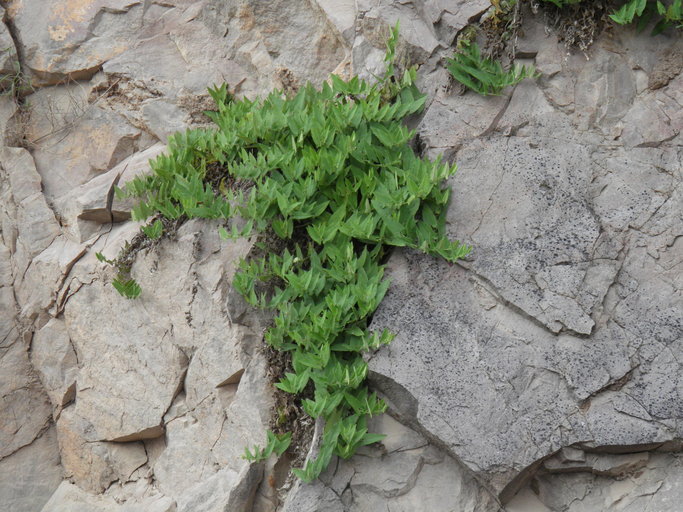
x=540 y=374
x=564 y=325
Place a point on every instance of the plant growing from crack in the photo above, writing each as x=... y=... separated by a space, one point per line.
x=482 y=74
x=670 y=13
x=329 y=174
x=479 y=71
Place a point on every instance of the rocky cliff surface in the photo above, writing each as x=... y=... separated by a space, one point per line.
x=542 y=373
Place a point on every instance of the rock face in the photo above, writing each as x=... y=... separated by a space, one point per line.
x=563 y=325
x=541 y=373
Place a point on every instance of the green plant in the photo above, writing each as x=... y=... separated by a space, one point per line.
x=129 y=288
x=671 y=14
x=328 y=177
x=122 y=283
x=563 y=3
x=628 y=11
x=154 y=230
x=276 y=443
x=484 y=75
x=16 y=84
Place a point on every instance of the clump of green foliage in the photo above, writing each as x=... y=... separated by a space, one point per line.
x=670 y=15
x=276 y=443
x=482 y=74
x=329 y=173
x=486 y=74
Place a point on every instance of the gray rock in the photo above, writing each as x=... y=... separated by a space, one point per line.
x=121 y=403
x=38 y=289
x=93 y=465
x=54 y=359
x=9 y=132
x=619 y=465
x=93 y=31
x=26 y=409
x=557 y=340
x=654 y=487
x=35 y=223
x=8 y=53
x=80 y=144
x=70 y=498
x=85 y=210
x=562 y=326
x=226 y=490
x=30 y=475
x=404 y=473
x=342 y=14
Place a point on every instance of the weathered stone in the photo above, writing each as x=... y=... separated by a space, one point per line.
x=647 y=124
x=70 y=498
x=35 y=223
x=79 y=148
x=122 y=403
x=560 y=325
x=551 y=265
x=55 y=361
x=24 y=405
x=605 y=465
x=668 y=67
x=164 y=119
x=38 y=288
x=312 y=498
x=226 y=490
x=9 y=109
x=406 y=473
x=251 y=42
x=566 y=318
x=655 y=487
x=30 y=475
x=8 y=54
x=93 y=31
x=188 y=459
x=86 y=210
x=94 y=465
x=342 y=14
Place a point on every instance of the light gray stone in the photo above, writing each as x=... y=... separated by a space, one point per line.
x=70 y=498
x=562 y=326
x=404 y=473
x=73 y=153
x=35 y=223
x=93 y=30
x=8 y=121
x=24 y=405
x=226 y=490
x=54 y=359
x=562 y=332
x=120 y=402
x=8 y=53
x=654 y=487
x=85 y=210
x=30 y=475
x=91 y=464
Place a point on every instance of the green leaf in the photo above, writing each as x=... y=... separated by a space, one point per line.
x=128 y=288
x=154 y=230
